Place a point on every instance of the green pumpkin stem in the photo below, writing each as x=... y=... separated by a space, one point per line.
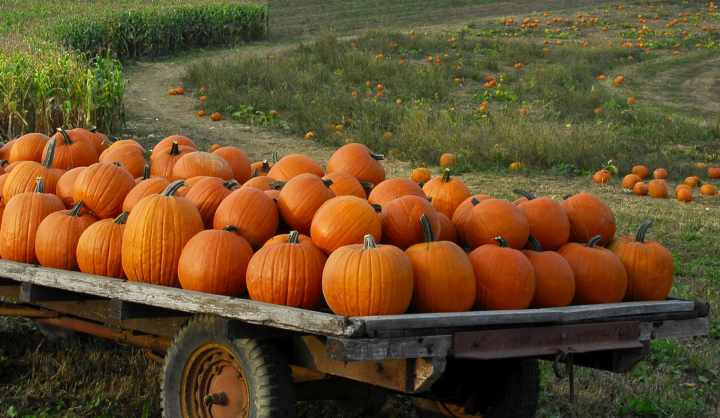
x=642 y=230
x=146 y=172
x=39 y=185
x=294 y=237
x=230 y=228
x=377 y=157
x=175 y=148
x=594 y=241
x=428 y=233
x=275 y=158
x=369 y=242
x=121 y=218
x=231 y=184
x=65 y=135
x=446 y=175
x=377 y=207
x=50 y=155
x=501 y=242
x=173 y=187
x=535 y=244
x=526 y=195
x=75 y=211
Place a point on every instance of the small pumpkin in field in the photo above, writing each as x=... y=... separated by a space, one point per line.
x=448 y=160
x=435 y=290
x=589 y=216
x=649 y=265
x=421 y=175
x=199 y=163
x=238 y=160
x=602 y=176
x=641 y=171
x=71 y=151
x=692 y=181
x=713 y=172
x=684 y=194
x=164 y=159
x=99 y=246
x=20 y=220
x=400 y=220
x=343 y=220
x=28 y=147
x=496 y=217
x=287 y=273
x=216 y=116
x=357 y=160
x=504 y=276
x=391 y=189
x=368 y=279
x=300 y=198
x=207 y=194
x=251 y=211
x=446 y=192
x=640 y=188
x=156 y=232
x=23 y=177
x=658 y=189
x=65 y=186
x=708 y=189
x=215 y=261
x=462 y=214
x=549 y=223
x=600 y=276
x=660 y=173
x=260 y=168
x=58 y=235
x=147 y=187
x=554 y=278
x=102 y=188
x=292 y=165
x=629 y=181
x=344 y=184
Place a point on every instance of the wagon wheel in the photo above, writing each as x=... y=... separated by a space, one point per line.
x=207 y=374
x=497 y=389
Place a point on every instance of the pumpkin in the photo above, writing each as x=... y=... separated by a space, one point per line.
x=504 y=276
x=130 y=157
x=199 y=163
x=28 y=147
x=121 y=143
x=86 y=135
x=22 y=178
x=658 y=189
x=600 y=276
x=446 y=228
x=20 y=220
x=368 y=279
x=102 y=188
x=57 y=237
x=70 y=153
x=251 y=211
x=640 y=188
x=102 y=141
x=207 y=194
x=216 y=116
x=99 y=246
x=264 y=183
x=554 y=278
x=446 y=192
x=287 y=274
x=300 y=198
x=391 y=189
x=421 y=175
x=649 y=265
x=660 y=173
x=601 y=176
x=343 y=220
x=6 y=148
x=444 y=280
x=3 y=177
x=706 y=189
x=400 y=220
x=692 y=181
x=163 y=162
x=491 y=218
x=164 y=145
x=713 y=172
x=641 y=171
x=156 y=232
x=589 y=216
x=344 y=184
x=629 y=181
x=147 y=187
x=684 y=194
x=549 y=223
x=292 y=165
x=215 y=261
x=358 y=161
x=260 y=168
x=65 y=186
x=462 y=214
x=447 y=160
x=238 y=160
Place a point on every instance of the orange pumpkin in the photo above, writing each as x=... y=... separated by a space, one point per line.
x=600 y=276
x=436 y=290
x=491 y=218
x=344 y=184
x=130 y=157
x=684 y=194
x=300 y=198
x=70 y=152
x=602 y=176
x=462 y=214
x=447 y=160
x=660 y=173
x=156 y=232
x=215 y=261
x=57 y=237
x=713 y=172
x=640 y=188
x=629 y=181
x=164 y=145
x=28 y=147
x=358 y=161
x=554 y=278
x=421 y=175
x=264 y=183
x=287 y=274
x=400 y=220
x=549 y=223
x=207 y=194
x=658 y=189
x=692 y=181
x=199 y=163
x=343 y=220
x=368 y=279
x=147 y=187
x=238 y=160
x=292 y=165
x=22 y=178
x=102 y=188
x=446 y=228
x=649 y=265
x=589 y=216
x=6 y=148
x=65 y=186
x=446 y=192
x=99 y=246
x=163 y=161
x=260 y=168
x=391 y=189
x=706 y=189
x=505 y=277
x=641 y=171
x=252 y=212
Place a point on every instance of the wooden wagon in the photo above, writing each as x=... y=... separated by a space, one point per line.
x=234 y=357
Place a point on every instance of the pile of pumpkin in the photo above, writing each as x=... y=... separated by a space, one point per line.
x=295 y=234
x=634 y=182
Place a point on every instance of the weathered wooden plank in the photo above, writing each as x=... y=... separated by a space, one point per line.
x=183 y=300
x=31 y=293
x=363 y=349
x=675 y=329
x=122 y=310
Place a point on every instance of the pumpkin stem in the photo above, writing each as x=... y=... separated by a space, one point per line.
x=526 y=195
x=3 y=163
x=93 y=129
x=367 y=186
x=231 y=184
x=65 y=135
x=230 y=228
x=369 y=242
x=327 y=182
x=175 y=149
x=75 y=211
x=474 y=201
x=428 y=233
x=275 y=158
x=535 y=244
x=277 y=185
x=377 y=207
x=294 y=237
x=568 y=196
x=50 y=156
x=121 y=218
x=173 y=187
x=640 y=235
x=146 y=172
x=501 y=241
x=377 y=157
x=594 y=241
x=39 y=185
x=446 y=175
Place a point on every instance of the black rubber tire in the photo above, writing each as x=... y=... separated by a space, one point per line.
x=264 y=368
